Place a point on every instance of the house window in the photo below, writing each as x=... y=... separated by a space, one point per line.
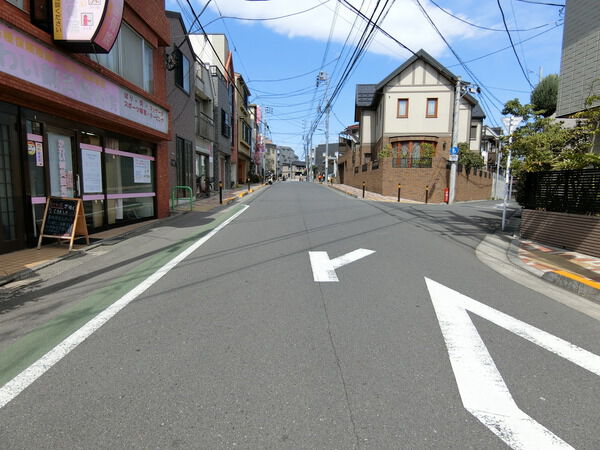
x=410 y=154
x=225 y=124
x=473 y=134
x=182 y=71
x=402 y=108
x=129 y=53
x=246 y=133
x=432 y=107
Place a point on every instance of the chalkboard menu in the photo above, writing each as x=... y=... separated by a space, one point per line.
x=63 y=219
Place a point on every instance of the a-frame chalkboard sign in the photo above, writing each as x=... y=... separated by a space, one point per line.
x=64 y=219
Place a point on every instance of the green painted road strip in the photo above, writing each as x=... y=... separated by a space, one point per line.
x=31 y=347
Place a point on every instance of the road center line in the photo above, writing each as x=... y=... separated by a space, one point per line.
x=19 y=383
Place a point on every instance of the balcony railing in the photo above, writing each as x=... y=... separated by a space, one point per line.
x=415 y=163
x=365 y=167
x=205 y=127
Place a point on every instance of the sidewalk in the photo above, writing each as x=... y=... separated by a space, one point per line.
x=356 y=192
x=573 y=271
x=16 y=268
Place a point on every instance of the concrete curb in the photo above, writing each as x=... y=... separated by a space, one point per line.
x=569 y=284
x=572 y=285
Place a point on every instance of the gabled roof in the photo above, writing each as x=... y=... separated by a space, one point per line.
x=423 y=55
x=477 y=112
x=365 y=94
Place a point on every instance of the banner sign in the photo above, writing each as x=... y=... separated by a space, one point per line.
x=30 y=60
x=87 y=26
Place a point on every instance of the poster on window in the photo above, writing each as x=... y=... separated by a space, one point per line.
x=141 y=171
x=91 y=165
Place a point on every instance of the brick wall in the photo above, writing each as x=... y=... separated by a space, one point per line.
x=476 y=185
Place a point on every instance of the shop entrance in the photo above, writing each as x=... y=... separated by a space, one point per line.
x=63 y=179
x=12 y=235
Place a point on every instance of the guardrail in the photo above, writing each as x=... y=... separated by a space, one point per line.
x=174 y=189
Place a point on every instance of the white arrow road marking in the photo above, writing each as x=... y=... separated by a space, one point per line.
x=324 y=268
x=482 y=389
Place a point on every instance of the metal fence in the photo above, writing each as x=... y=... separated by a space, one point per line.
x=571 y=191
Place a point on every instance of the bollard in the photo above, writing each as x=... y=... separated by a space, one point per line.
x=426 y=194
x=364 y=184
x=248 y=184
x=220 y=192
x=399 y=187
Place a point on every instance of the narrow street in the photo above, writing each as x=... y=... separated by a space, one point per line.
x=415 y=344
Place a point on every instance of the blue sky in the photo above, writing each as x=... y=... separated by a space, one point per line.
x=285 y=49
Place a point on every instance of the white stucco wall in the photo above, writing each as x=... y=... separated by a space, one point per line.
x=367 y=122
x=417 y=84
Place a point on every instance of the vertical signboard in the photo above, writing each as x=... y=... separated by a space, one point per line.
x=87 y=26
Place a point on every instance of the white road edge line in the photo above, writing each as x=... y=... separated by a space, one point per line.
x=481 y=386
x=19 y=383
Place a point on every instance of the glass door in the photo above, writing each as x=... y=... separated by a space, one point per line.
x=12 y=235
x=61 y=167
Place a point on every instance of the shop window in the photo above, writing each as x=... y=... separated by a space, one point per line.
x=130 y=175
x=129 y=53
x=182 y=71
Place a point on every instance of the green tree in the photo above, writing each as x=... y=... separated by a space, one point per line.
x=543 y=143
x=545 y=96
x=467 y=158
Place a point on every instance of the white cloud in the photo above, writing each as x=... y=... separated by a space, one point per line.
x=404 y=21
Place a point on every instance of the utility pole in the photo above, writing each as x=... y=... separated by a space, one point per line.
x=454 y=143
x=326 y=143
x=510 y=123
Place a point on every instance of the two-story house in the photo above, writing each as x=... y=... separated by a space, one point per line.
x=409 y=115
x=411 y=106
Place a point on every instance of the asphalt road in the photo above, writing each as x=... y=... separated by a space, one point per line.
x=238 y=347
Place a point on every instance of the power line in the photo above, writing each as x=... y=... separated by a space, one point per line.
x=465 y=67
x=295 y=76
x=513 y=45
x=364 y=41
x=482 y=27
x=542 y=3
x=508 y=46
x=230 y=75
x=459 y=59
x=262 y=19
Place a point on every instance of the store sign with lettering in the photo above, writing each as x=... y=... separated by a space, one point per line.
x=87 y=26
x=30 y=60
